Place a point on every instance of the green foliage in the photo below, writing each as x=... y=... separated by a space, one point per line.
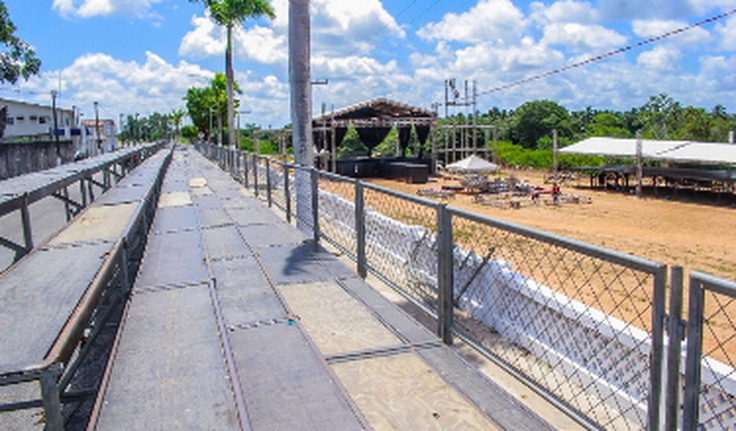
x=533 y=120
x=351 y=146
x=207 y=106
x=510 y=154
x=610 y=125
x=17 y=59
x=190 y=132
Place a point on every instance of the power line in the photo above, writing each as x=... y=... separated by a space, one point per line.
x=608 y=54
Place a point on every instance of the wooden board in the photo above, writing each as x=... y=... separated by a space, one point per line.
x=401 y=392
x=334 y=320
x=97 y=223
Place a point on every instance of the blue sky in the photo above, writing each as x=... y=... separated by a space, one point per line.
x=142 y=55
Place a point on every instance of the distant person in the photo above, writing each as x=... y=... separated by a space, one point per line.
x=555 y=193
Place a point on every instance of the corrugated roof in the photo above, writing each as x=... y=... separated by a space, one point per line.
x=676 y=151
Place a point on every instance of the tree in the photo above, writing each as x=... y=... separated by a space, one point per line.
x=176 y=117
x=533 y=120
x=17 y=59
x=660 y=117
x=229 y=13
x=204 y=102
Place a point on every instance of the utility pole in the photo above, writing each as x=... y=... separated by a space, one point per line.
x=120 y=126
x=56 y=127
x=301 y=107
x=97 y=127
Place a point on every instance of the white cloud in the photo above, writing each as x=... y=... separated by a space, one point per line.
x=564 y=12
x=497 y=21
x=727 y=34
x=662 y=58
x=92 y=8
x=259 y=44
x=119 y=86
x=582 y=38
x=654 y=28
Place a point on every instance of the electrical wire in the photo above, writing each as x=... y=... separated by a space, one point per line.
x=608 y=54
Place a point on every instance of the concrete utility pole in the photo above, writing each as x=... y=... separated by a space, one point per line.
x=639 y=168
x=97 y=128
x=301 y=108
x=300 y=81
x=56 y=127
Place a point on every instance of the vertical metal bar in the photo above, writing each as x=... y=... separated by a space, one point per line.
x=360 y=229
x=691 y=399
x=255 y=174
x=287 y=193
x=268 y=183
x=90 y=190
x=444 y=274
x=83 y=191
x=25 y=215
x=657 y=353
x=67 y=207
x=51 y=399
x=676 y=335
x=245 y=170
x=315 y=203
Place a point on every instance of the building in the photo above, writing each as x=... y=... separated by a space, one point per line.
x=29 y=120
x=100 y=137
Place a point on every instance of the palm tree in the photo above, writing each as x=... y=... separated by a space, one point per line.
x=229 y=13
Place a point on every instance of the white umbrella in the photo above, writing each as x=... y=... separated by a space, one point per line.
x=472 y=165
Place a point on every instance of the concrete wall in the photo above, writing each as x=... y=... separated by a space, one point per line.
x=23 y=158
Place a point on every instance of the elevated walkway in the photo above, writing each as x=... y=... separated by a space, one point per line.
x=239 y=321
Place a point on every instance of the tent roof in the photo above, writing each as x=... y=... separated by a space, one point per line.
x=379 y=112
x=472 y=164
x=676 y=151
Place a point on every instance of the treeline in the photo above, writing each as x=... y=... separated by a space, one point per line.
x=525 y=134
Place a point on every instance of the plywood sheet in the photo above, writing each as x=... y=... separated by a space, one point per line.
x=334 y=320
x=401 y=392
x=103 y=222
x=174 y=199
x=197 y=182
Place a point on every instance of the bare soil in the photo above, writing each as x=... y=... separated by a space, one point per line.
x=695 y=235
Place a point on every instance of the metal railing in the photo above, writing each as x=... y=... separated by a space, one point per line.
x=586 y=327
x=92 y=176
x=63 y=386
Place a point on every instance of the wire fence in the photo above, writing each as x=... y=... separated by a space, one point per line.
x=582 y=325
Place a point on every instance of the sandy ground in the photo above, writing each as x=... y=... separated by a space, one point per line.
x=696 y=236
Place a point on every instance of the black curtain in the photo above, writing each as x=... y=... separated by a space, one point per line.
x=422 y=135
x=372 y=136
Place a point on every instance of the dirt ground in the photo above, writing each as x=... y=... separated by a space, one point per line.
x=695 y=236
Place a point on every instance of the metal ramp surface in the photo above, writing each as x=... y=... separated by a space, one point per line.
x=239 y=321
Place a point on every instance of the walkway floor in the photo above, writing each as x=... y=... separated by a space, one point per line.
x=238 y=320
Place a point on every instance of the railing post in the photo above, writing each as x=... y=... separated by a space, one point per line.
x=444 y=274
x=315 y=204
x=52 y=399
x=656 y=359
x=676 y=329
x=25 y=215
x=255 y=174
x=245 y=170
x=268 y=183
x=360 y=229
x=287 y=193
x=691 y=401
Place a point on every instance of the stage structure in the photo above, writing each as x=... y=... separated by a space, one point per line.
x=373 y=120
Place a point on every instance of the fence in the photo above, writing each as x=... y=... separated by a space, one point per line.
x=582 y=325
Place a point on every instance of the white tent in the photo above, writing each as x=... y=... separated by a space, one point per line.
x=472 y=165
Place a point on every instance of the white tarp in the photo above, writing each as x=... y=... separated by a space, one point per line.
x=472 y=165
x=677 y=151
